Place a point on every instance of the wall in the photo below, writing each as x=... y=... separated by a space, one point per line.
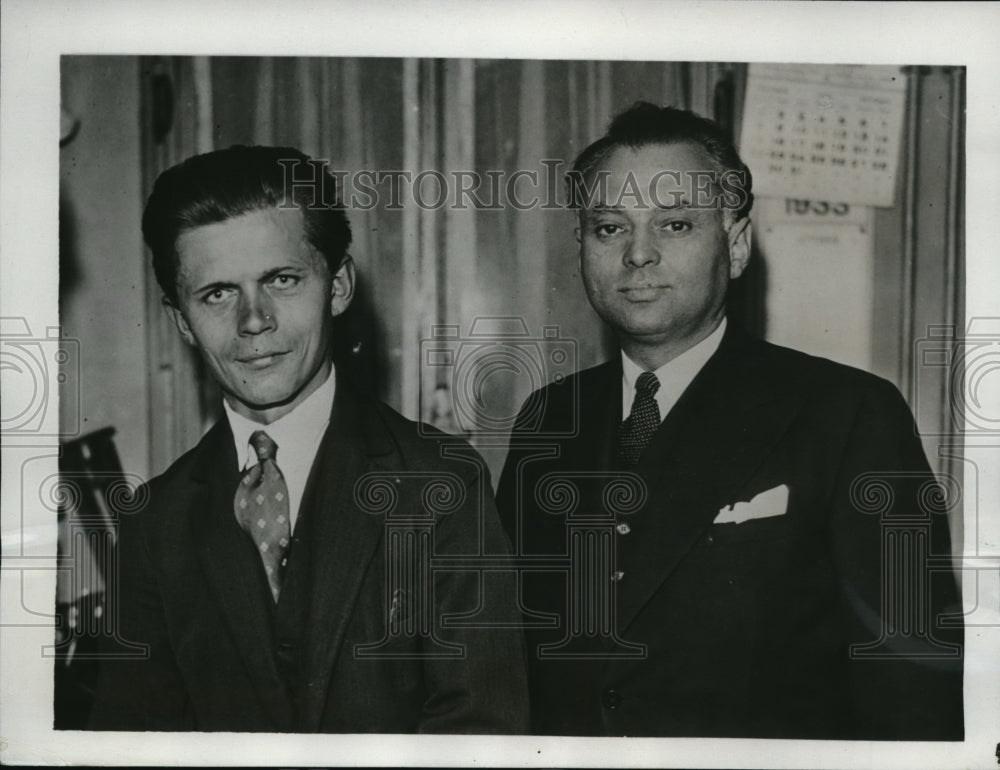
x=420 y=267
x=475 y=274
x=102 y=301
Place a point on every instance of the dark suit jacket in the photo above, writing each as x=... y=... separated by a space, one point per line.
x=738 y=629
x=223 y=657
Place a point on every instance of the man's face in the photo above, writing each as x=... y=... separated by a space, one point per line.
x=258 y=302
x=656 y=267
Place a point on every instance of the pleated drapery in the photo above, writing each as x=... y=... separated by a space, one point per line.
x=427 y=270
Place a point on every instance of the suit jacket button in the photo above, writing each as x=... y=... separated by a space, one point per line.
x=617 y=576
x=623 y=529
x=612 y=699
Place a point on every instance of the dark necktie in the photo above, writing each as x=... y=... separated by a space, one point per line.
x=261 y=506
x=642 y=422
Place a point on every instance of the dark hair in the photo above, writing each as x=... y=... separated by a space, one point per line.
x=227 y=183
x=644 y=124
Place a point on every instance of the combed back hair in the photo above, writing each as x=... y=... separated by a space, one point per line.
x=224 y=184
x=644 y=124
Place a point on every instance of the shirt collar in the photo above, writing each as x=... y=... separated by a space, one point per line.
x=304 y=424
x=674 y=376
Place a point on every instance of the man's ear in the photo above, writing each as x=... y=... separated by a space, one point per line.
x=179 y=321
x=578 y=234
x=739 y=246
x=342 y=288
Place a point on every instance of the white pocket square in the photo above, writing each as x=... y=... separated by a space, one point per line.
x=773 y=502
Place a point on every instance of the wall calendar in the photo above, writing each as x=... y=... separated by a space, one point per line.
x=824 y=132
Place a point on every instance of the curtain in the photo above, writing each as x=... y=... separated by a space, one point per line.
x=440 y=284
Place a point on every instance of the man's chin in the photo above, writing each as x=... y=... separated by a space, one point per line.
x=648 y=332
x=661 y=334
x=271 y=393
x=257 y=403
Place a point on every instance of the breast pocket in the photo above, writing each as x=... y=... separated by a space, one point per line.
x=770 y=528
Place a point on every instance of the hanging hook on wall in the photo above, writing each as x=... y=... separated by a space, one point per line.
x=69 y=126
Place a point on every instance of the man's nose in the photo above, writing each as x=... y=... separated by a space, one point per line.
x=641 y=250
x=256 y=314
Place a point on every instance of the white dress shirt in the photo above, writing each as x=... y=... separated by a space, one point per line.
x=297 y=434
x=674 y=376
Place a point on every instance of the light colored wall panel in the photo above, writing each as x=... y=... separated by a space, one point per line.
x=103 y=271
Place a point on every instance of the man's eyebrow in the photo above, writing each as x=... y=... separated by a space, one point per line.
x=209 y=287
x=267 y=275
x=683 y=203
x=276 y=271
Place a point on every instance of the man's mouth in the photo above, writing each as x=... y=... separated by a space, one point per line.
x=261 y=360
x=643 y=293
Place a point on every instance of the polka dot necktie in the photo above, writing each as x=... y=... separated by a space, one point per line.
x=642 y=422
x=261 y=506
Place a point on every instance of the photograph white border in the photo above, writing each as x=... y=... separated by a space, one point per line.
x=35 y=35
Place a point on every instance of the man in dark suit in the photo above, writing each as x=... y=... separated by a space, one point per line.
x=731 y=538
x=280 y=576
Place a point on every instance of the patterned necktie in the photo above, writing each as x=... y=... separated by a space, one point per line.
x=261 y=506
x=642 y=422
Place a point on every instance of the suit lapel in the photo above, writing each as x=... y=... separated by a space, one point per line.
x=596 y=446
x=232 y=567
x=708 y=447
x=343 y=538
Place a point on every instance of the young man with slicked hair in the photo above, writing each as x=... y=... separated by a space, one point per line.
x=261 y=578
